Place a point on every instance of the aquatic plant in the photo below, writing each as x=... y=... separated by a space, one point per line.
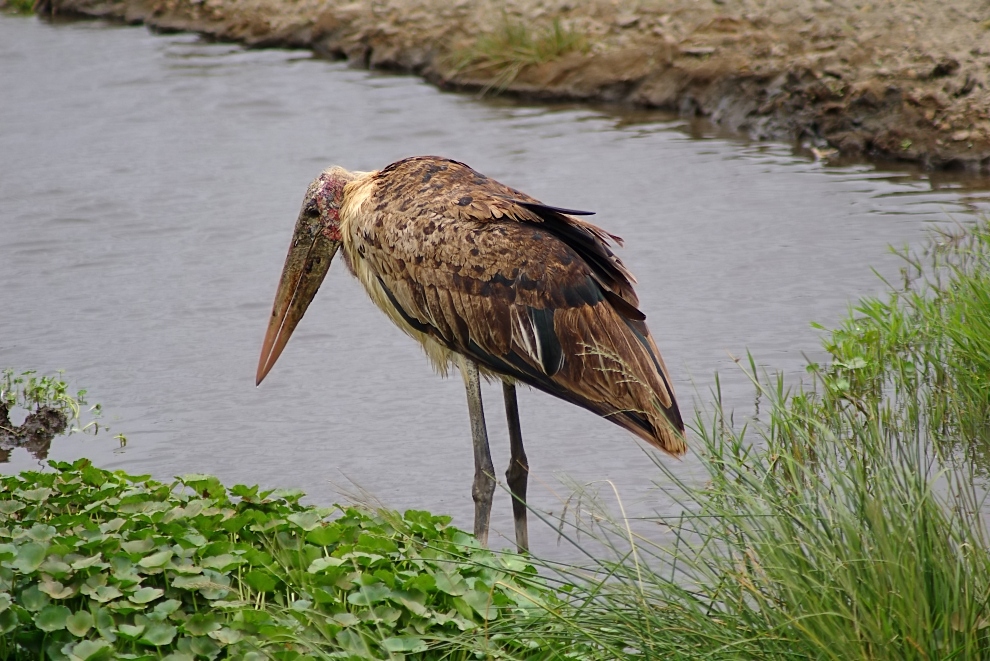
x=97 y=564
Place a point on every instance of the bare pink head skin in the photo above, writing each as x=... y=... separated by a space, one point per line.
x=315 y=241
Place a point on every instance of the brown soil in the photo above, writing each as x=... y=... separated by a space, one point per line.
x=893 y=79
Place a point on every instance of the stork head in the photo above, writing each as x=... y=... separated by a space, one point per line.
x=314 y=242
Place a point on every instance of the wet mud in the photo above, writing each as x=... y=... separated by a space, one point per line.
x=889 y=80
x=35 y=434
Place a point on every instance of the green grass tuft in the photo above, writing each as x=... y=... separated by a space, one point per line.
x=502 y=54
x=18 y=6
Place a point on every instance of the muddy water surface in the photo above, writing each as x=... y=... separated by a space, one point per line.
x=149 y=184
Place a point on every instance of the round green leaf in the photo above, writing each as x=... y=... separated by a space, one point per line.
x=52 y=618
x=201 y=624
x=33 y=599
x=79 y=623
x=56 y=590
x=404 y=644
x=130 y=631
x=105 y=593
x=226 y=636
x=259 y=580
x=158 y=634
x=29 y=557
x=155 y=560
x=90 y=650
x=144 y=595
x=8 y=621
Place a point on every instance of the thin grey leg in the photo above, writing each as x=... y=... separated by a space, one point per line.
x=518 y=472
x=484 y=472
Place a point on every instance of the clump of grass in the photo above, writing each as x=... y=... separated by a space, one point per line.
x=843 y=522
x=503 y=53
x=18 y=6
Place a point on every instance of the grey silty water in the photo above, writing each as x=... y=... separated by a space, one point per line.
x=149 y=185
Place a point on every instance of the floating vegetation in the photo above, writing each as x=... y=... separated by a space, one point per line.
x=97 y=564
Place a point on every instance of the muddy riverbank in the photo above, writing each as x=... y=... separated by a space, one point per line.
x=890 y=80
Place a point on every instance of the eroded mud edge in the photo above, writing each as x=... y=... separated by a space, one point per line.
x=820 y=86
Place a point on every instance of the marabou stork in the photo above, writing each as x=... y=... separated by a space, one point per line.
x=491 y=280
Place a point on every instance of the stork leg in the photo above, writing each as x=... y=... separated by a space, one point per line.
x=484 y=472
x=518 y=472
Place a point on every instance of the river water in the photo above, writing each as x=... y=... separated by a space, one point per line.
x=149 y=185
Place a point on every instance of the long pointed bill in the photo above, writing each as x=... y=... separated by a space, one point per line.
x=306 y=266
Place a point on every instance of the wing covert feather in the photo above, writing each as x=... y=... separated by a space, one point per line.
x=524 y=290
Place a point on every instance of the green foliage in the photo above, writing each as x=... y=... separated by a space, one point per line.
x=34 y=392
x=850 y=528
x=18 y=6
x=97 y=564
x=502 y=54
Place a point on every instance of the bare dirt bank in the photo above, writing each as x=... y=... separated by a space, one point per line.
x=897 y=79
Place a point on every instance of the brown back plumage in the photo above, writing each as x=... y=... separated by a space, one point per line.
x=526 y=290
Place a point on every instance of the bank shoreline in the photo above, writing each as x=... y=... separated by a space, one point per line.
x=888 y=81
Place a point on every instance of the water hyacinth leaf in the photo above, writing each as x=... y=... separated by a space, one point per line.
x=482 y=604
x=408 y=644
x=352 y=641
x=320 y=564
x=219 y=586
x=156 y=560
x=130 y=631
x=106 y=593
x=413 y=601
x=7 y=551
x=52 y=618
x=138 y=545
x=178 y=656
x=8 y=621
x=200 y=624
x=369 y=594
x=105 y=625
x=56 y=590
x=33 y=599
x=323 y=535
x=79 y=623
x=35 y=495
x=307 y=520
x=259 y=580
x=112 y=525
x=222 y=562
x=191 y=582
x=204 y=646
x=8 y=507
x=227 y=636
x=41 y=532
x=5 y=601
x=91 y=650
x=146 y=594
x=91 y=561
x=453 y=585
x=346 y=619
x=29 y=557
x=166 y=608
x=55 y=567
x=158 y=634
